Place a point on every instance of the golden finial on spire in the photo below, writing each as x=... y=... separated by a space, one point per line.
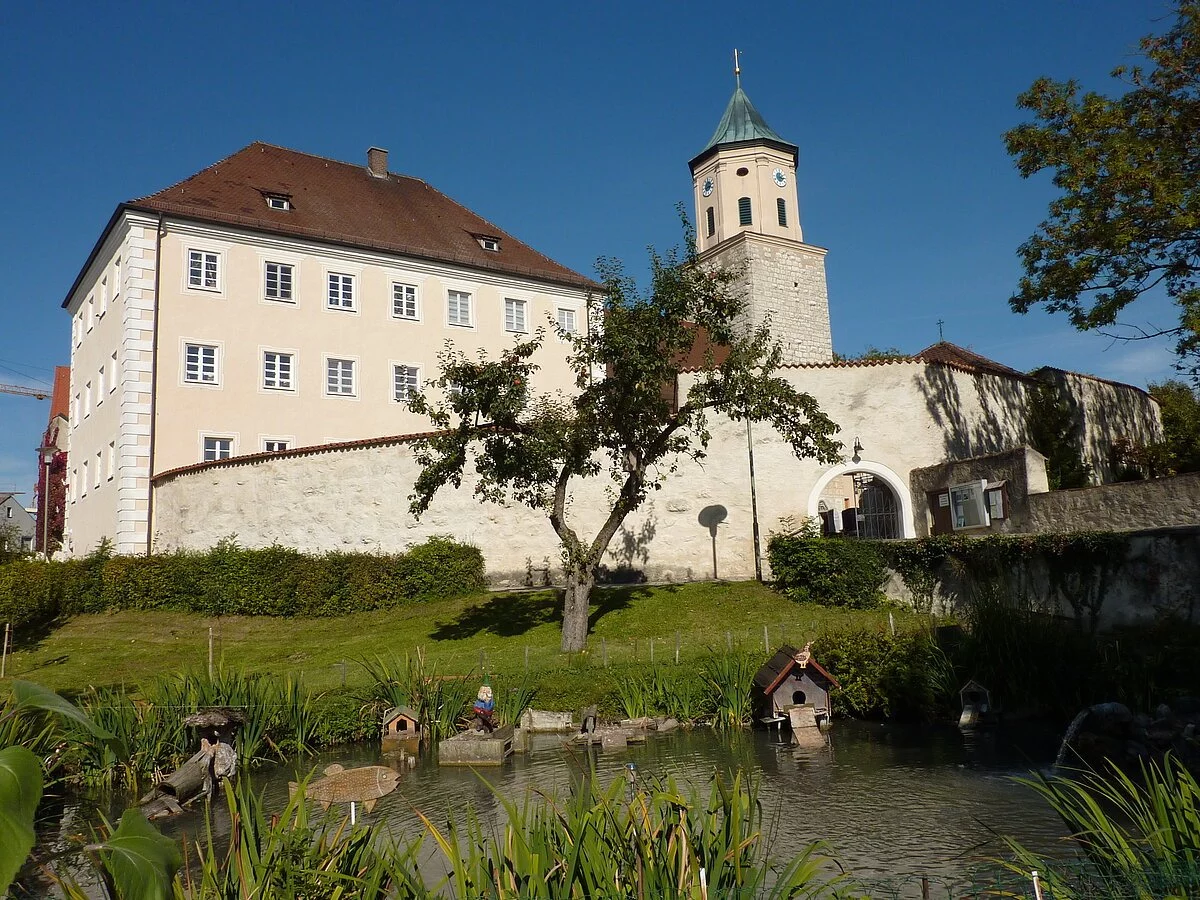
x=737 y=69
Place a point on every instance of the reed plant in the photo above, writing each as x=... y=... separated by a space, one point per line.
x=629 y=840
x=682 y=693
x=1140 y=838
x=730 y=676
x=635 y=693
x=151 y=739
x=439 y=701
x=513 y=700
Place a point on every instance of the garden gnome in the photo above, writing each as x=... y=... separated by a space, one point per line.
x=485 y=704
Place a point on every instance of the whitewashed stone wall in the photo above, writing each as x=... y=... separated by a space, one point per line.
x=905 y=414
x=1125 y=506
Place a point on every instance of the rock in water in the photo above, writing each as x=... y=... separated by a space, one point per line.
x=363 y=785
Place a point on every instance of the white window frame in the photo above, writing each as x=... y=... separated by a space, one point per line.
x=113 y=377
x=218 y=352
x=489 y=243
x=415 y=368
x=278 y=202
x=77 y=328
x=112 y=460
x=574 y=313
x=116 y=296
x=470 y=300
x=75 y=406
x=340 y=306
x=99 y=477
x=100 y=382
x=206 y=436
x=287 y=440
x=341 y=395
x=290 y=387
x=218 y=258
x=291 y=274
x=83 y=482
x=91 y=312
x=415 y=299
x=968 y=505
x=87 y=399
x=103 y=297
x=518 y=306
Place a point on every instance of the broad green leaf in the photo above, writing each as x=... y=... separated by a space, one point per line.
x=141 y=861
x=20 y=792
x=33 y=696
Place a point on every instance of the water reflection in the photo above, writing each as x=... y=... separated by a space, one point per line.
x=888 y=800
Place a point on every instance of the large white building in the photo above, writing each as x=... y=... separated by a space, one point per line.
x=277 y=300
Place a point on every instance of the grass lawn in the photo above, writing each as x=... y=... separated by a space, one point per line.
x=492 y=632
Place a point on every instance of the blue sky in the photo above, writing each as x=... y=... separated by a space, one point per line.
x=570 y=126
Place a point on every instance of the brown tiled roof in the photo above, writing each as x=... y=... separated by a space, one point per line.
x=60 y=402
x=249 y=458
x=970 y=361
x=343 y=203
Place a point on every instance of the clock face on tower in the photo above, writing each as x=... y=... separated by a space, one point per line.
x=780 y=177
x=708 y=186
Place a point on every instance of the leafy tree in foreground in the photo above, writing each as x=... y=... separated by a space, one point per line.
x=870 y=353
x=1179 y=450
x=623 y=421
x=1054 y=432
x=1128 y=220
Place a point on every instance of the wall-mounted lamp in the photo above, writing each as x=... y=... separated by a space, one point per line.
x=858 y=449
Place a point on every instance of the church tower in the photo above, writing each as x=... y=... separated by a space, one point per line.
x=748 y=220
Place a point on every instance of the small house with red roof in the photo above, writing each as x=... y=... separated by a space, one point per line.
x=793 y=678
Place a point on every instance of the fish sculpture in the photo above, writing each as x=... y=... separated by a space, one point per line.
x=363 y=785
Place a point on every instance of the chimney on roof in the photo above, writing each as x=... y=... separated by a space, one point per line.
x=377 y=162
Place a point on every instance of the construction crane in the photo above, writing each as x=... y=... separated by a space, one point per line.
x=35 y=393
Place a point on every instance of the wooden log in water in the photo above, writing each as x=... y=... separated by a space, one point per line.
x=188 y=780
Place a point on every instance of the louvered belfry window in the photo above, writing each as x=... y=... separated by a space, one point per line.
x=744 y=211
x=781 y=208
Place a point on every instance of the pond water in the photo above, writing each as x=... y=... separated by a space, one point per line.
x=891 y=802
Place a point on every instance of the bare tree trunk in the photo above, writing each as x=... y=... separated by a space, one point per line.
x=576 y=607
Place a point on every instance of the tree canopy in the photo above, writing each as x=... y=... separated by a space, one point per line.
x=1128 y=219
x=631 y=418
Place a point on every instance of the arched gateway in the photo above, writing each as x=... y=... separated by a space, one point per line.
x=881 y=500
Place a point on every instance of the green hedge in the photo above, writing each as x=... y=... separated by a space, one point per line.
x=230 y=580
x=829 y=571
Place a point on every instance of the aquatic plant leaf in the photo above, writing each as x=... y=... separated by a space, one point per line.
x=20 y=793
x=33 y=696
x=141 y=861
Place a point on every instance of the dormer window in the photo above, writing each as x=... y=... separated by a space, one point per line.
x=279 y=201
x=488 y=243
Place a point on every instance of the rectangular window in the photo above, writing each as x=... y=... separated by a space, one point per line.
x=744 y=217
x=99 y=469
x=458 y=308
x=116 y=279
x=339 y=377
x=404 y=300
x=341 y=291
x=202 y=270
x=199 y=364
x=75 y=411
x=405 y=380
x=277 y=371
x=274 y=446
x=277 y=201
x=100 y=386
x=103 y=296
x=83 y=484
x=87 y=399
x=566 y=320
x=91 y=312
x=112 y=459
x=712 y=221
x=781 y=208
x=112 y=372
x=73 y=485
x=968 y=508
x=514 y=316
x=279 y=282
x=77 y=329
x=216 y=448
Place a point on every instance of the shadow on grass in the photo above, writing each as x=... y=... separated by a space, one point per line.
x=510 y=615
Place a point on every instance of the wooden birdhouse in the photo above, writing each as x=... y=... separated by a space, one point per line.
x=793 y=686
x=400 y=728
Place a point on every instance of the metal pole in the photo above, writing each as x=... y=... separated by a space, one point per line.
x=4 y=652
x=210 y=652
x=46 y=509
x=753 y=502
x=676 y=647
x=604 y=651
x=1037 y=885
x=766 y=640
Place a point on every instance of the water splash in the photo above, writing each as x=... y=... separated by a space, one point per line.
x=1072 y=730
